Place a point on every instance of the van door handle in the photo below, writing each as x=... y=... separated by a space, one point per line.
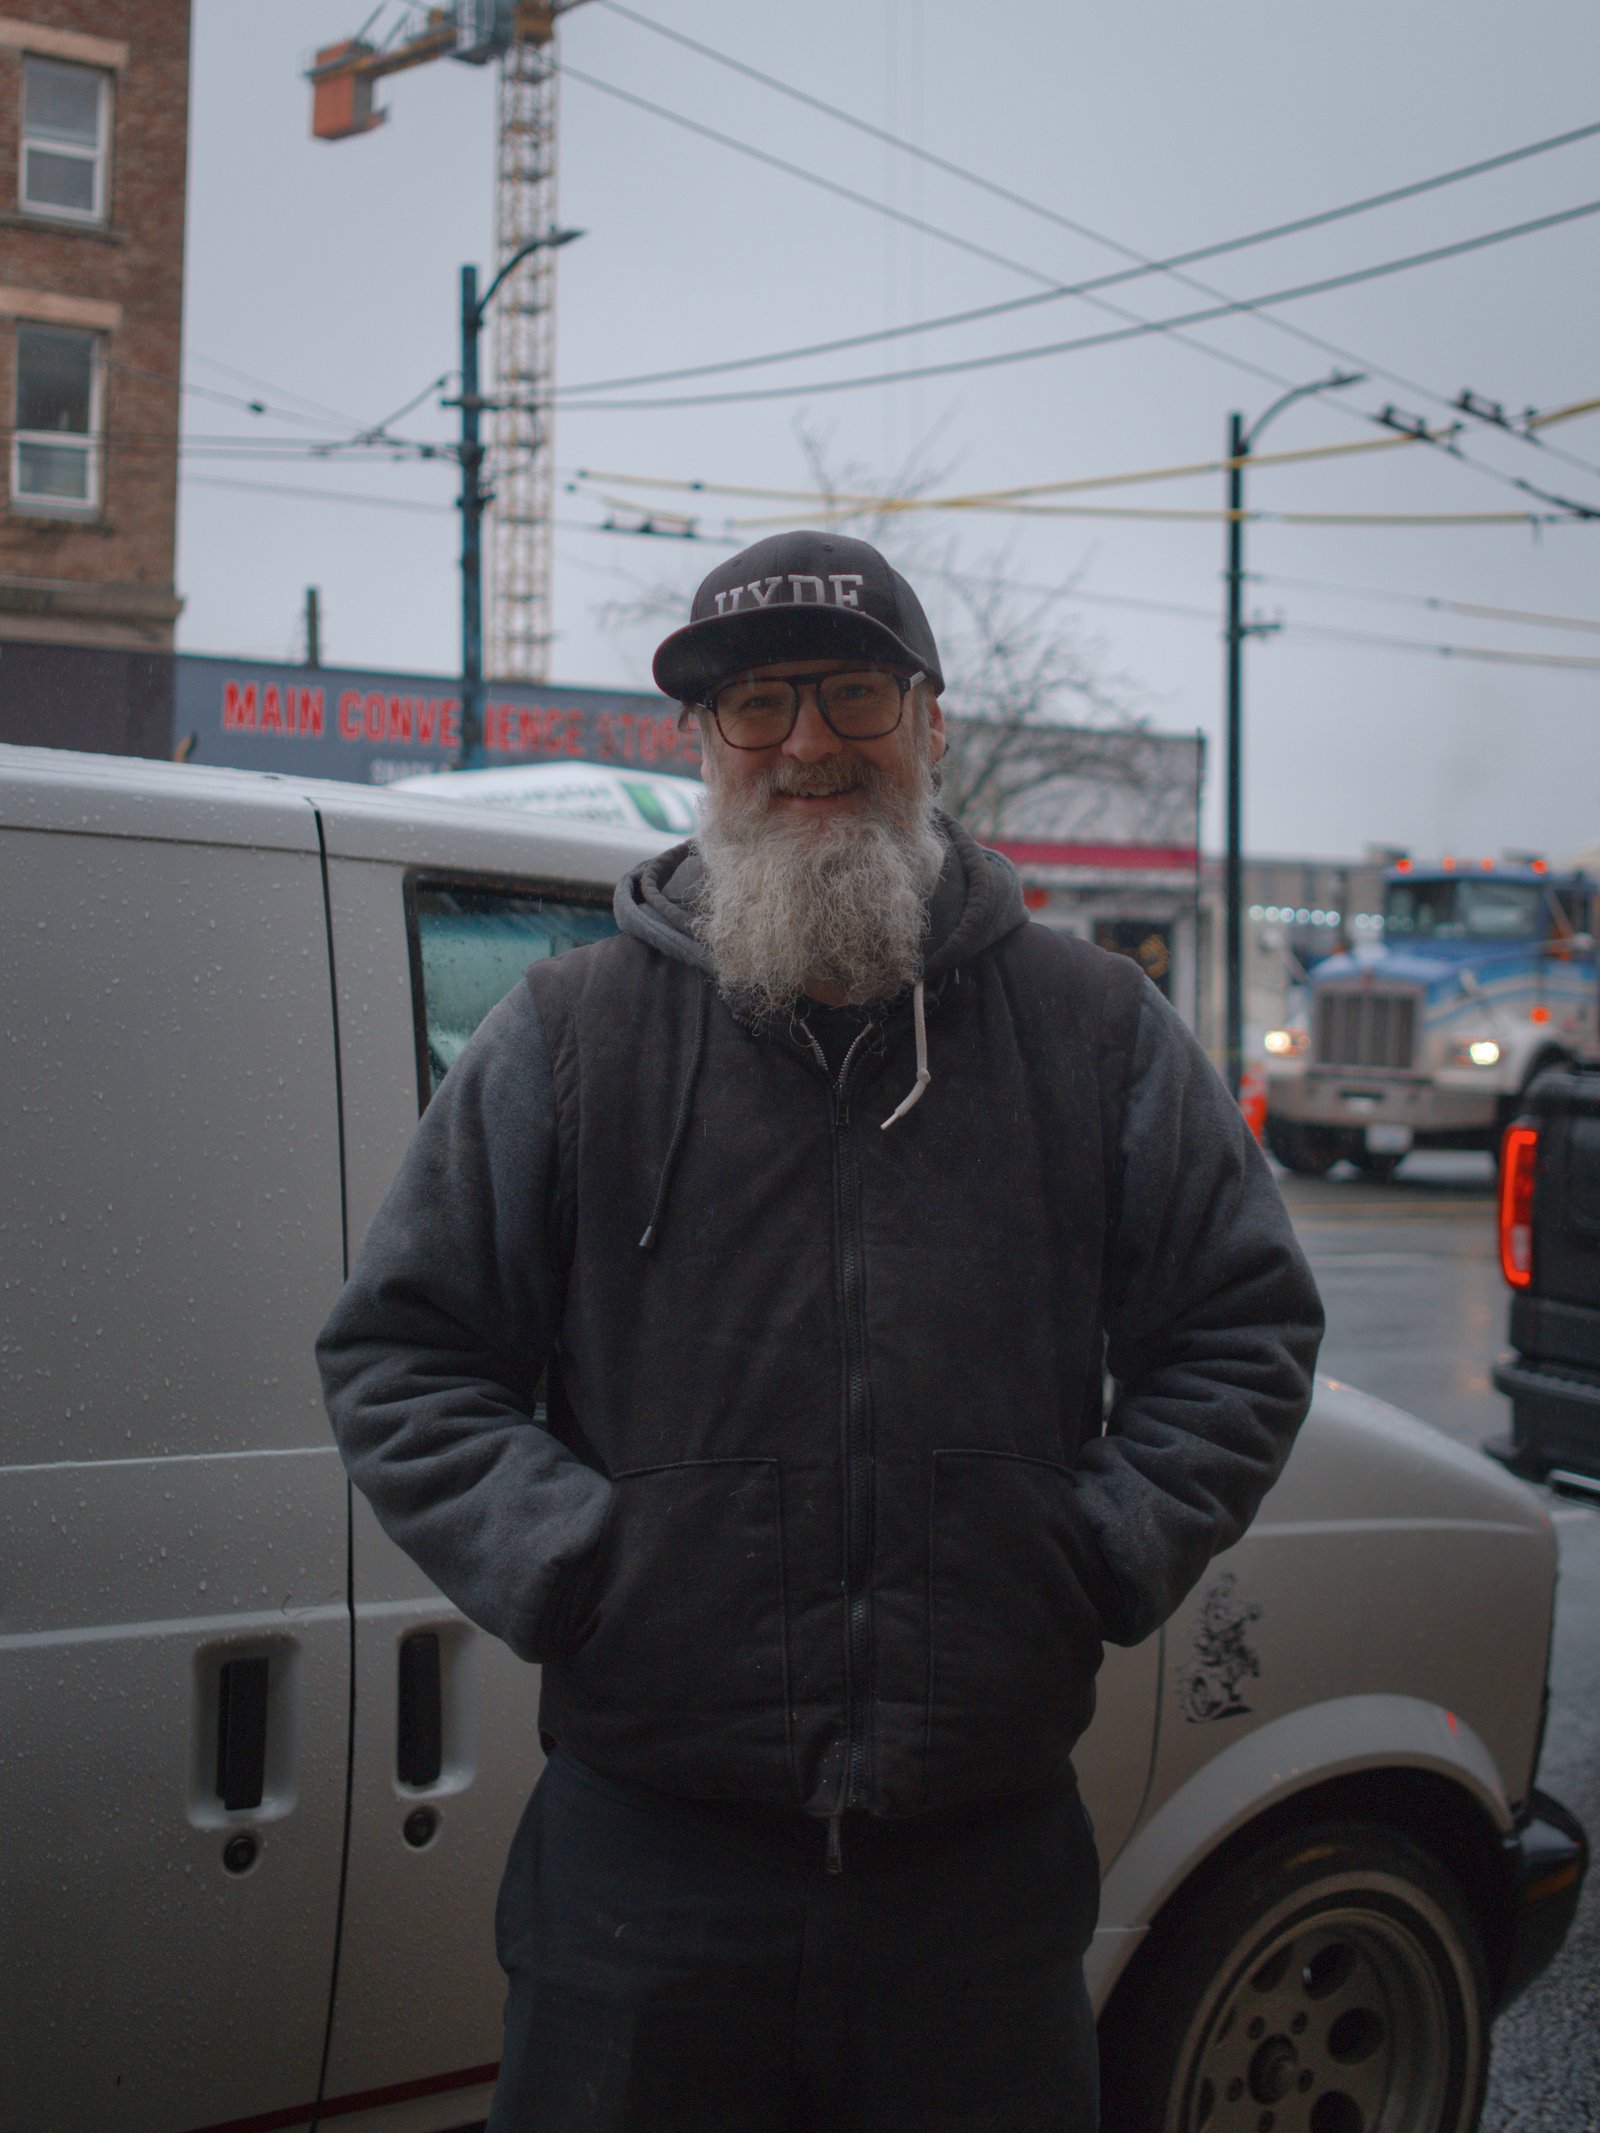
x=419 y=1741
x=242 y=1733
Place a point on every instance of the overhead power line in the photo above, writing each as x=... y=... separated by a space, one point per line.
x=303 y=491
x=977 y=498
x=1112 y=335
x=1144 y=264
x=1490 y=655
x=1171 y=267
x=280 y=392
x=1531 y=618
x=1251 y=516
x=875 y=206
x=1526 y=617
x=981 y=498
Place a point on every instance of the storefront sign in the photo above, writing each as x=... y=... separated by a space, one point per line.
x=373 y=727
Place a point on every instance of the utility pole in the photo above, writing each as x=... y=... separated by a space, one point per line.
x=1233 y=838
x=470 y=451
x=471 y=404
x=313 y=627
x=1240 y=443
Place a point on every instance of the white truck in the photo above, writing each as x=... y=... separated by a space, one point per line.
x=1426 y=1032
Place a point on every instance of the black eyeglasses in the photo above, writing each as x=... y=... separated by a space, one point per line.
x=754 y=713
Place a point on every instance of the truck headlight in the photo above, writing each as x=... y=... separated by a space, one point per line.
x=1475 y=1051
x=1286 y=1043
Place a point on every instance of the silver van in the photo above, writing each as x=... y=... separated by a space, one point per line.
x=259 y=1777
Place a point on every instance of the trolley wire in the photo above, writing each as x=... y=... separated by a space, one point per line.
x=1083 y=290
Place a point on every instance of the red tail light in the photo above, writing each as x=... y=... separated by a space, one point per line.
x=1519 y=1153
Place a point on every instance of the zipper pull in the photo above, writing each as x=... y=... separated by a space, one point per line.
x=835 y=1850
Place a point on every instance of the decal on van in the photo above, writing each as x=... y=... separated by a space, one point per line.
x=1208 y=1684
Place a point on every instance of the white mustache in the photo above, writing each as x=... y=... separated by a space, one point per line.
x=817 y=781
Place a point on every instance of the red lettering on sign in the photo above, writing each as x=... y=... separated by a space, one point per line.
x=310 y=720
x=349 y=714
x=373 y=713
x=649 y=743
x=399 y=726
x=271 y=709
x=238 y=707
x=450 y=730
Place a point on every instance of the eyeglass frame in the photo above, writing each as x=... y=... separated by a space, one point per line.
x=800 y=682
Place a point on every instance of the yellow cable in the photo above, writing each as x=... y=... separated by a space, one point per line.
x=849 y=500
x=1214 y=517
x=1563 y=414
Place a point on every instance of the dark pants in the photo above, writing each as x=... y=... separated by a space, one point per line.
x=687 y=1967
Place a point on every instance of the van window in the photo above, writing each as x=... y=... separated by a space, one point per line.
x=471 y=941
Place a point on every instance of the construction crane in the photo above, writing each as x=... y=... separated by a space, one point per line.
x=520 y=36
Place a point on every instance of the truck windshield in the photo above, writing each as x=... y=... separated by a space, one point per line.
x=1464 y=908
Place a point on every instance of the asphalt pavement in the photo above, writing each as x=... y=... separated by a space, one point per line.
x=1417 y=1315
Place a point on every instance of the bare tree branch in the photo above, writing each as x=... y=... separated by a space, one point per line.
x=1038 y=726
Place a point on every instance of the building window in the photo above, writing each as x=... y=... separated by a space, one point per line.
x=65 y=134
x=55 y=458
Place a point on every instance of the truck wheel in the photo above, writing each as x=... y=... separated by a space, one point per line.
x=1310 y=1151
x=1334 y=1979
x=1380 y=1168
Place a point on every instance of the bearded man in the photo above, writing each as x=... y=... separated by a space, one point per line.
x=829 y=1197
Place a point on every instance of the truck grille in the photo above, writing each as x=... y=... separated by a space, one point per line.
x=1365 y=1029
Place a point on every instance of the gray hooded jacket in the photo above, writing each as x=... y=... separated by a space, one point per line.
x=825 y=1505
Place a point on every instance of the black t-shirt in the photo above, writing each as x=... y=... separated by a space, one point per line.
x=837 y=1028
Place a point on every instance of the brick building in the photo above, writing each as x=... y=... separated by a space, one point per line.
x=93 y=151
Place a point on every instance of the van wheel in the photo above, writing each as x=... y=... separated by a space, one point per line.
x=1309 y=1151
x=1332 y=1982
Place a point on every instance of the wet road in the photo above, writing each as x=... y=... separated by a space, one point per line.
x=1417 y=1315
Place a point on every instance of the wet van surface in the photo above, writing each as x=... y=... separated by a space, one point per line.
x=260 y=1777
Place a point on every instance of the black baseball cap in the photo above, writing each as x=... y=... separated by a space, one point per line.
x=796 y=596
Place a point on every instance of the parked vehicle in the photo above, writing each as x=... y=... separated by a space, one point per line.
x=1426 y=1035
x=573 y=792
x=261 y=1777
x=1550 y=1256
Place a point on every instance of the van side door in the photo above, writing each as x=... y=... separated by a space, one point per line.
x=446 y=1745
x=174 y=1636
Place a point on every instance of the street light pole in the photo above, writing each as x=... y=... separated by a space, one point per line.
x=473 y=495
x=471 y=404
x=1240 y=443
x=1233 y=840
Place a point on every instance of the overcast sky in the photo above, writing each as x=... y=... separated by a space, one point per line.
x=329 y=272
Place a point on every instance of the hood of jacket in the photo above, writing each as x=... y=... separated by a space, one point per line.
x=976 y=902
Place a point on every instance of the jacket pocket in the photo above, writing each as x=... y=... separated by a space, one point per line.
x=1013 y=1634
x=680 y=1677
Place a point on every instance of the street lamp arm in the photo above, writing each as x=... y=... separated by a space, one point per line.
x=548 y=241
x=1333 y=383
x=1240 y=441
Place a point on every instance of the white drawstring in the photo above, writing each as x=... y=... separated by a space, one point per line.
x=914 y=1094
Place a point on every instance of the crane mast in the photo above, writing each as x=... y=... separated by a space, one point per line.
x=521 y=476
x=520 y=34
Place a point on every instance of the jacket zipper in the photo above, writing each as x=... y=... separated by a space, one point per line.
x=857 y=1465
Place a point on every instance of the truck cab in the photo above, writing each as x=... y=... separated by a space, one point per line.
x=1425 y=1034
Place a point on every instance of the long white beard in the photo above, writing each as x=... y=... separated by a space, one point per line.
x=789 y=901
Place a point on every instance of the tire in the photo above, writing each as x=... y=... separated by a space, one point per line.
x=1380 y=1168
x=1309 y=1151
x=1332 y=1981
